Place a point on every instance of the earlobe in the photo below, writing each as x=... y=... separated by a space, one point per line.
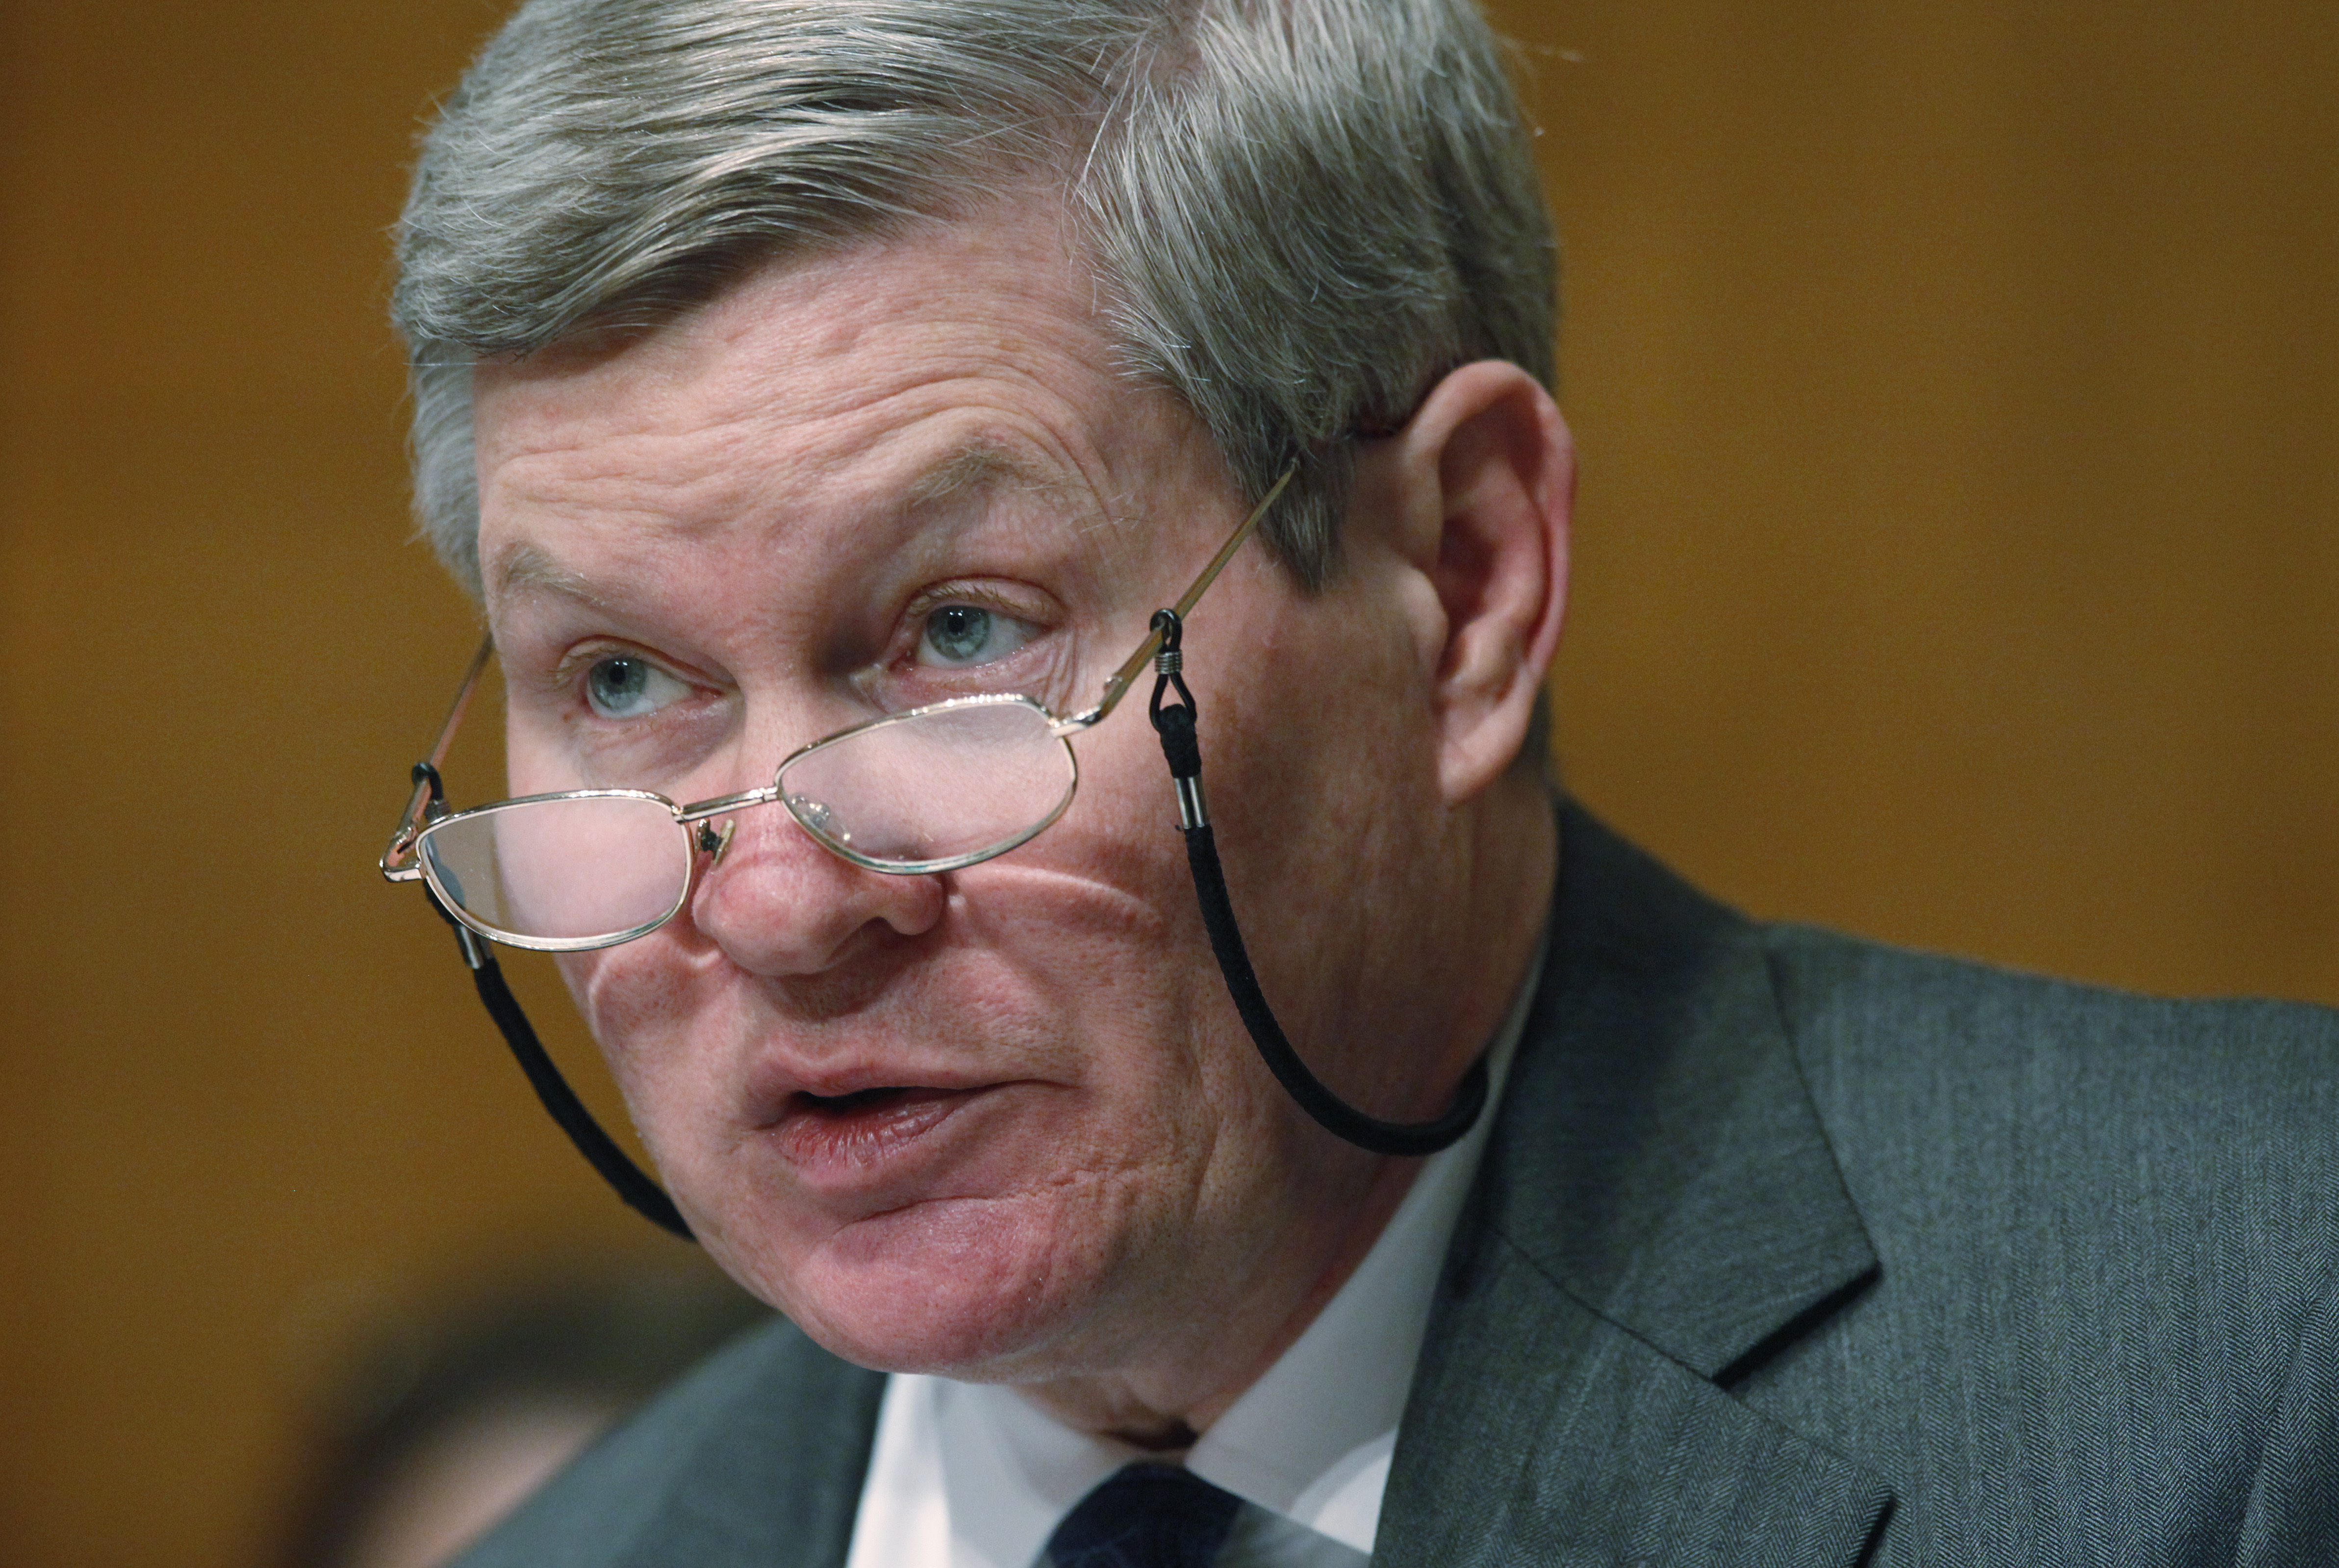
x=1489 y=449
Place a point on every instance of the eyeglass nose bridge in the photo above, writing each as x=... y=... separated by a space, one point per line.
x=713 y=839
x=699 y=811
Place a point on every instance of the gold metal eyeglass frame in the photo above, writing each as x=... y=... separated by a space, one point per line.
x=426 y=807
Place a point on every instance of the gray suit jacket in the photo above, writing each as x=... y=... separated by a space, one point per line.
x=1787 y=1248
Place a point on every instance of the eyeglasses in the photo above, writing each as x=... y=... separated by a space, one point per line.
x=930 y=789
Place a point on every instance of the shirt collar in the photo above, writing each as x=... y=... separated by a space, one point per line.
x=974 y=1476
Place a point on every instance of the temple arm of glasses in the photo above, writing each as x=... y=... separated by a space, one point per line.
x=1116 y=684
x=398 y=862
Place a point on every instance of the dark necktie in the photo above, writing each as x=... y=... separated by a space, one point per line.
x=1145 y=1515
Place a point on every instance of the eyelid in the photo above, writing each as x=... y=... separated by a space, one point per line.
x=979 y=592
x=568 y=676
x=1035 y=617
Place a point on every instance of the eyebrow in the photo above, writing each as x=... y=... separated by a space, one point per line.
x=525 y=569
x=979 y=463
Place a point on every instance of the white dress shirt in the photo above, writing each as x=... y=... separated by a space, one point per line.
x=974 y=1475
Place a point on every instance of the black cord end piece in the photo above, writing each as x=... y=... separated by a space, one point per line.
x=1180 y=745
x=1169 y=675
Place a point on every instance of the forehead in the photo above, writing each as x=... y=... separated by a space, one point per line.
x=963 y=358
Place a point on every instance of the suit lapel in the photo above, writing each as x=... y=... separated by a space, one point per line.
x=1540 y=1433
x=1658 y=1212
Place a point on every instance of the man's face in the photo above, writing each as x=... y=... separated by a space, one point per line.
x=1002 y=1123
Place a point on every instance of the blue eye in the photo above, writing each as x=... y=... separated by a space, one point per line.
x=969 y=635
x=622 y=687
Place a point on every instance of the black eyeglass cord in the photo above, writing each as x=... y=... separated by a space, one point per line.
x=1174 y=722
x=642 y=1194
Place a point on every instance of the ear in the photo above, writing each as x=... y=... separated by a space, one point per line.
x=1485 y=475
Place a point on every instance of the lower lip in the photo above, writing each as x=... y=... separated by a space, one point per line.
x=813 y=1139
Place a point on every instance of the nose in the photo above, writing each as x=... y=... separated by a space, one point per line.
x=778 y=903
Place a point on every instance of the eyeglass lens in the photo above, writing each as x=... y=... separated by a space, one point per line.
x=562 y=871
x=929 y=790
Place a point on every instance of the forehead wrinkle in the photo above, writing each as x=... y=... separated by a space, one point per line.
x=985 y=464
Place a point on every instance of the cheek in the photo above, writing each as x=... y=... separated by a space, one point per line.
x=1078 y=937
x=636 y=999
x=1116 y=956
x=1320 y=769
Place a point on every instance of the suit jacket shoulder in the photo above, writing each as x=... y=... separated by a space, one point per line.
x=1791 y=1248
x=756 y=1457
x=2108 y=1232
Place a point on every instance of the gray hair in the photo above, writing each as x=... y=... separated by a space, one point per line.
x=1301 y=213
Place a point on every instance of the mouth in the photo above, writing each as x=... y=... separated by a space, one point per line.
x=865 y=1126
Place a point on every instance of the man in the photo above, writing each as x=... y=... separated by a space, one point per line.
x=802 y=382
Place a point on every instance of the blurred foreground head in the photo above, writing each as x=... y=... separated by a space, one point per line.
x=441 y=1422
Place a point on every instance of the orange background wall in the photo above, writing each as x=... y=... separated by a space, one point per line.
x=1956 y=383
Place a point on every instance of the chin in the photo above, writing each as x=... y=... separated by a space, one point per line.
x=983 y=1289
